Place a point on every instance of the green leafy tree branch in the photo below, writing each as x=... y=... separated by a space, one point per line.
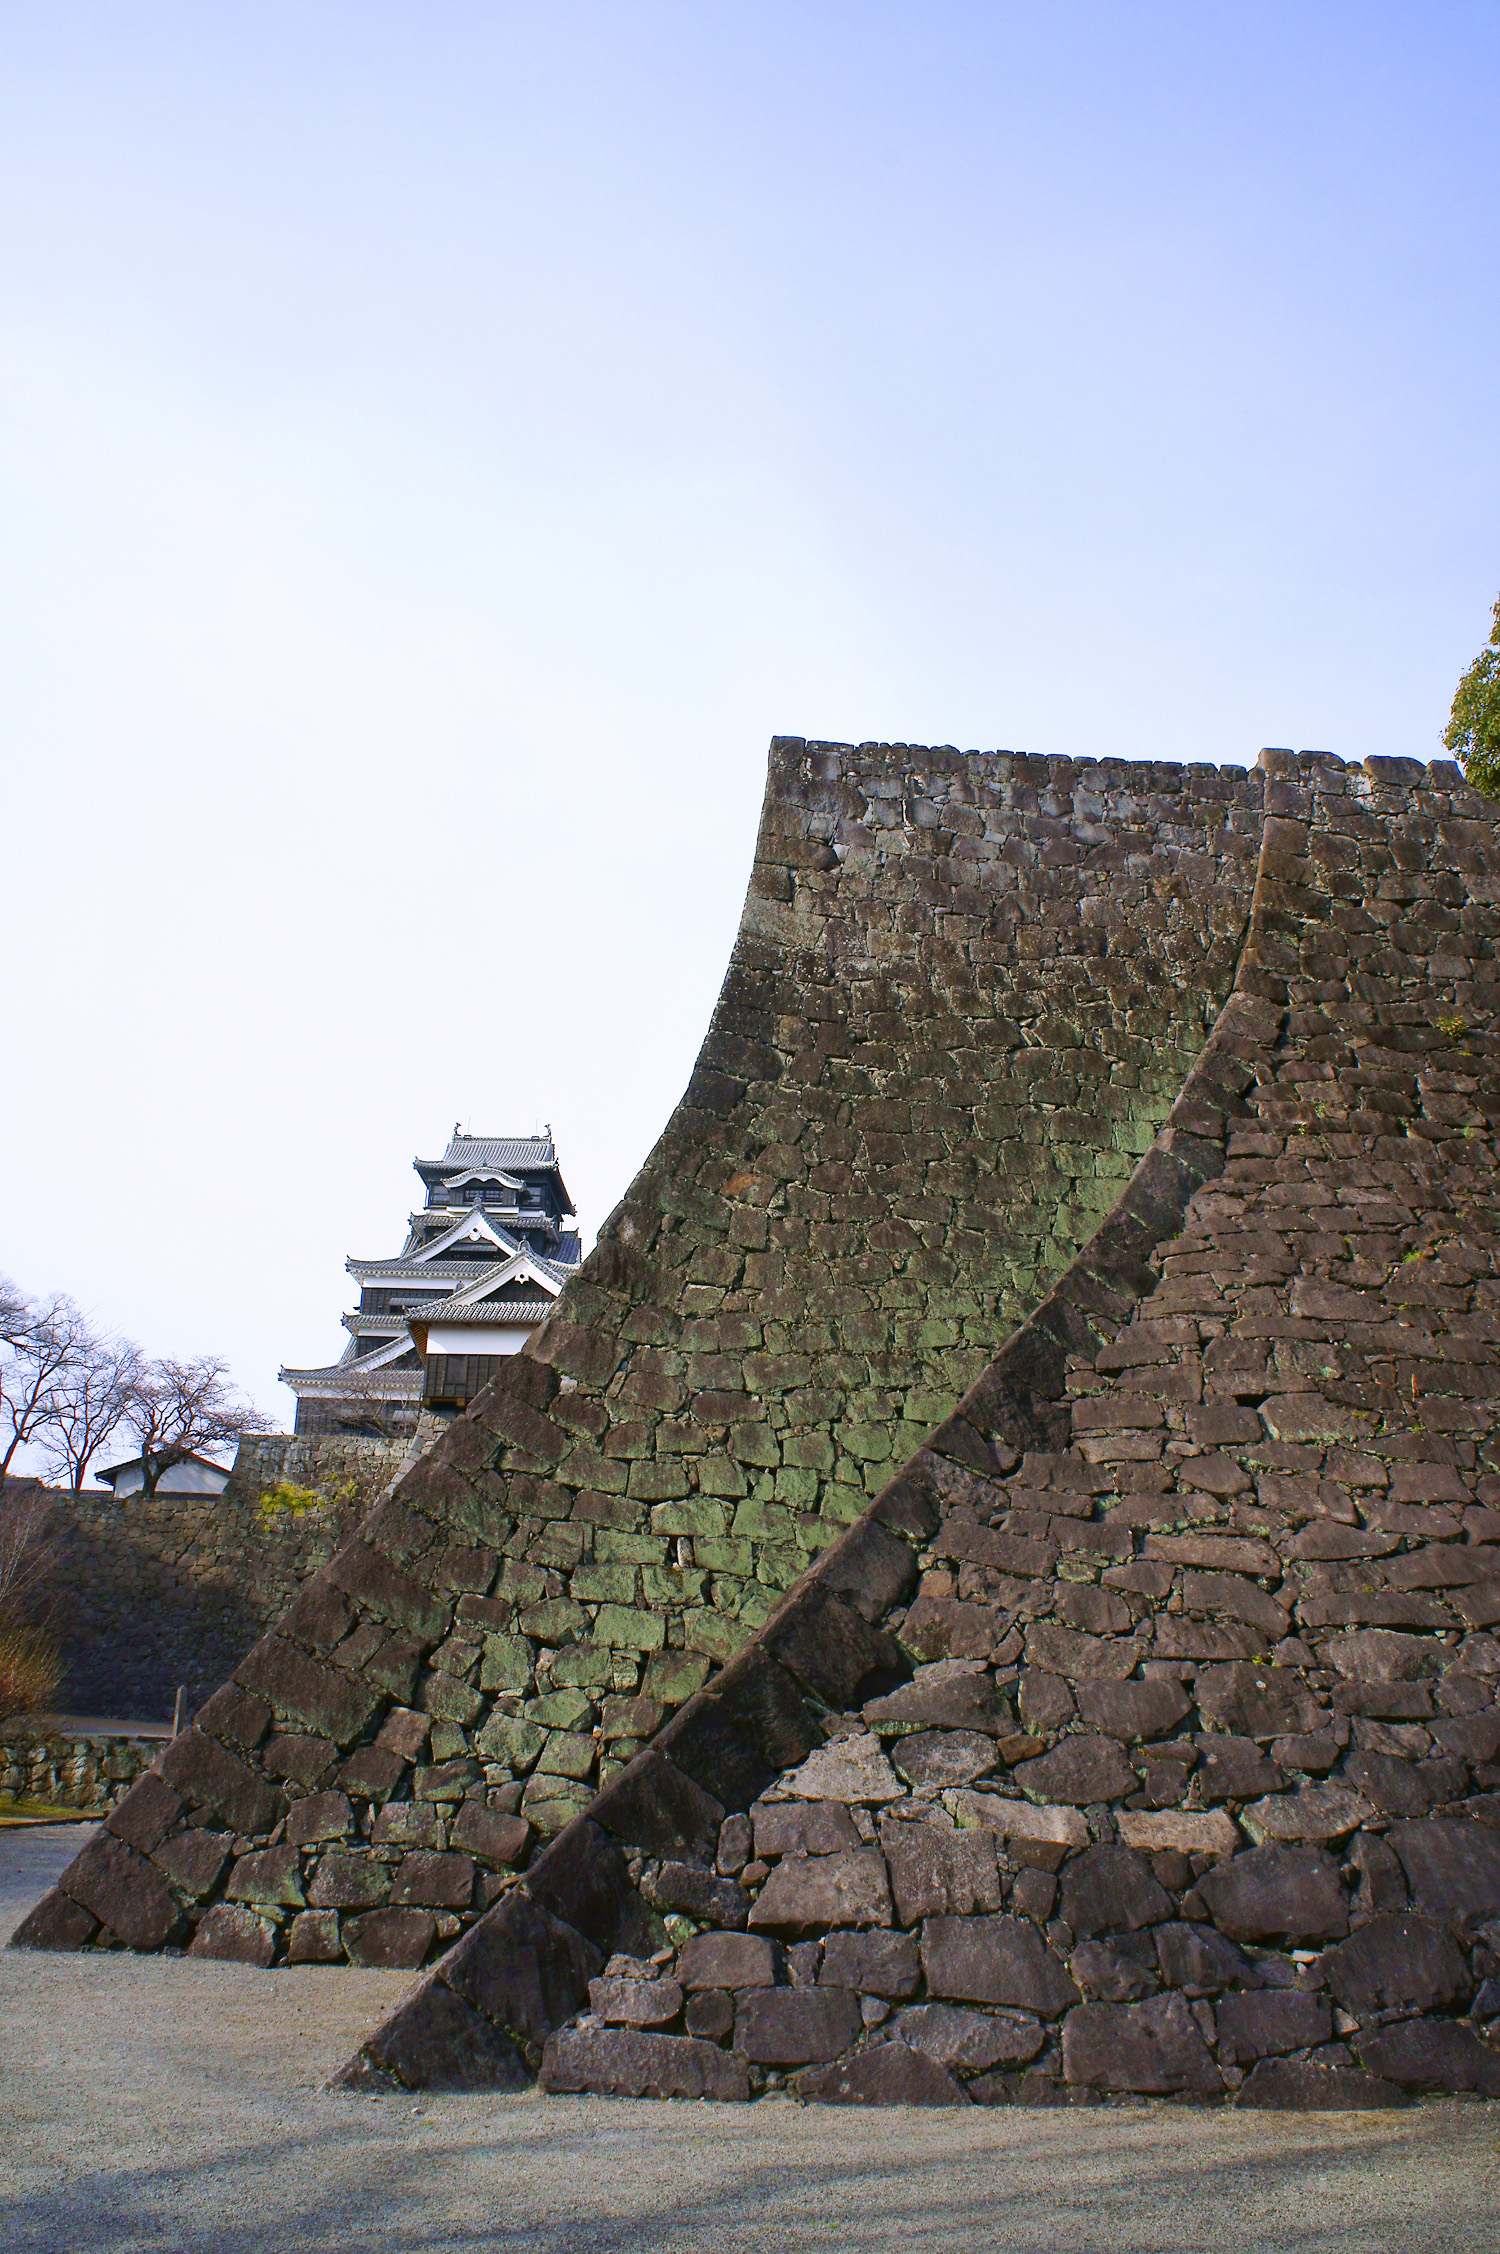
x=1473 y=730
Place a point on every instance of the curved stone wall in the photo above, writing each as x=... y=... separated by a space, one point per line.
x=1188 y=1791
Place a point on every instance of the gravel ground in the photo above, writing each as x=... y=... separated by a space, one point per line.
x=152 y=2103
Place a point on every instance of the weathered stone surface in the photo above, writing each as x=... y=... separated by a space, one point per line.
x=1183 y=1831
x=206 y=1774
x=1381 y=1655
x=389 y=1937
x=434 y=1881
x=1130 y=1711
x=1077 y=1658
x=314 y=1939
x=805 y=1893
x=194 y=1860
x=1288 y=2085
x=1432 y=2054
x=1040 y=1837
x=802 y=1827
x=1153 y=2047
x=872 y=1964
x=1397 y=1962
x=634 y=2003
x=1234 y=1768
x=1277 y=1893
x=234 y=1935
x=795 y=2026
x=1112 y=1890
x=1114 y=1973
x=709 y=2013
x=995 y=1960
x=697 y=1893
x=322 y=1815
x=891 y=2074
x=1317 y=1812
x=1201 y=1962
x=57 y=1922
x=435 y=2041
x=1077 y=1772
x=1257 y=1702
x=940 y=1760
x=345 y=1881
x=146 y=1814
x=523 y=1968
x=122 y=1890
x=272 y=1876
x=1452 y=1868
x=948 y=1696
x=617 y=2063
x=968 y=2041
x=727 y=1960
x=852 y=1769
x=1272 y=2021
x=934 y=1872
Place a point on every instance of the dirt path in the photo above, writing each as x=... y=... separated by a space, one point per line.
x=152 y=2103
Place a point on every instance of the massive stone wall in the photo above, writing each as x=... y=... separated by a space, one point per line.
x=1136 y=1738
x=153 y=1594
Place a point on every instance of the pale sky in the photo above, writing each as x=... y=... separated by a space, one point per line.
x=439 y=446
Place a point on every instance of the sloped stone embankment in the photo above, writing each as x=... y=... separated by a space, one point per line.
x=1138 y=1736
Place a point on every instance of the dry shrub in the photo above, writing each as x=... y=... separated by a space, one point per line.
x=31 y=1667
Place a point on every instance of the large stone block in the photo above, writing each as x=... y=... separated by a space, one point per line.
x=935 y=1872
x=890 y=2074
x=393 y=1938
x=1397 y=1962
x=146 y=1814
x=622 y=2002
x=122 y=1890
x=872 y=1964
x=1153 y=2047
x=1432 y=2054
x=698 y=1894
x=970 y=2041
x=807 y=1893
x=523 y=1969
x=206 y=1775
x=1112 y=1890
x=1200 y=1962
x=1289 y=2085
x=233 y=1934
x=1270 y=2022
x=1287 y=1894
x=435 y=2041
x=802 y=1827
x=727 y=1960
x=995 y=1960
x=795 y=2026
x=1452 y=1868
x=614 y=2062
x=57 y=1922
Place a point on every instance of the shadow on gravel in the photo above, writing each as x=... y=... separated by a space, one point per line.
x=356 y=2187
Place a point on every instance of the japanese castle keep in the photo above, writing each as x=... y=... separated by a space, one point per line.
x=485 y=1257
x=985 y=1588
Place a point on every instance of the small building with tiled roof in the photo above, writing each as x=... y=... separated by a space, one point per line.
x=484 y=1260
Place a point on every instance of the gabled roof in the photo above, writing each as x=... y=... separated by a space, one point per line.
x=526 y=1153
x=471 y=1227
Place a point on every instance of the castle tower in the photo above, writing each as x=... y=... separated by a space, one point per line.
x=484 y=1259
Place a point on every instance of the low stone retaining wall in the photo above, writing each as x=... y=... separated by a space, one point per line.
x=71 y=1769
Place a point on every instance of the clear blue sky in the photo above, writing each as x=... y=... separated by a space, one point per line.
x=439 y=445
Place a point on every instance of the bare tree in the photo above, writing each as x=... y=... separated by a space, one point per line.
x=178 y=1408
x=28 y=1550
x=91 y=1399
x=40 y=1342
